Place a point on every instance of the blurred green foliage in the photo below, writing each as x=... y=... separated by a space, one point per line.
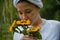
x=8 y=13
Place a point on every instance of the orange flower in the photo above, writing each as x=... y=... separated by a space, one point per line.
x=28 y=22
x=11 y=27
x=23 y=22
x=34 y=29
x=18 y=22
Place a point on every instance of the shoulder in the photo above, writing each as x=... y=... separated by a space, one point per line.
x=54 y=22
x=51 y=22
x=55 y=25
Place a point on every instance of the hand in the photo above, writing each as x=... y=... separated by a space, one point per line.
x=26 y=37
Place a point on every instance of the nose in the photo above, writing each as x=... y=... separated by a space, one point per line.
x=24 y=17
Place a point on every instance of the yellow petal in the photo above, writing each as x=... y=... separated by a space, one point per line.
x=34 y=29
x=11 y=27
x=23 y=22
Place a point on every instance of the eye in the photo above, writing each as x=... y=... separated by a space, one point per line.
x=28 y=11
x=20 y=12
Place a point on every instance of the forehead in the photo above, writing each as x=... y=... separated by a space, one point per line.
x=25 y=5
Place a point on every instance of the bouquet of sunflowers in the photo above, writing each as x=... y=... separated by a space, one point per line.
x=24 y=28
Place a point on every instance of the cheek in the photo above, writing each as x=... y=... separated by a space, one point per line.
x=20 y=16
x=32 y=16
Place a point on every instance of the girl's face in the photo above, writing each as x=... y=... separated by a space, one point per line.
x=27 y=11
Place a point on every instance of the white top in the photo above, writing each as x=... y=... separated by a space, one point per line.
x=50 y=30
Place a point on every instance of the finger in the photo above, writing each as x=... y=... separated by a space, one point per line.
x=26 y=36
x=25 y=39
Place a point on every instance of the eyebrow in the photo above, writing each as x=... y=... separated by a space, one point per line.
x=27 y=8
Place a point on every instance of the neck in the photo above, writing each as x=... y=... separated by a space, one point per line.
x=37 y=22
